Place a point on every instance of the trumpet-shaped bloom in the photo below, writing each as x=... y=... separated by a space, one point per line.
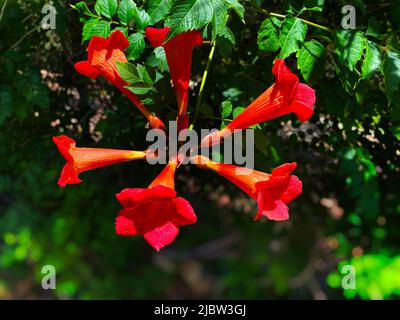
x=179 y=56
x=155 y=212
x=103 y=55
x=285 y=96
x=271 y=191
x=84 y=159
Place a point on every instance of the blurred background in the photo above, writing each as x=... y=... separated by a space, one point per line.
x=347 y=154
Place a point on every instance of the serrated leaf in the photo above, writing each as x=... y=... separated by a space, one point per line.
x=391 y=70
x=308 y=56
x=226 y=109
x=83 y=9
x=228 y=34
x=219 y=19
x=136 y=46
x=95 y=27
x=142 y=19
x=237 y=6
x=372 y=61
x=189 y=15
x=161 y=58
x=106 y=8
x=292 y=36
x=350 y=46
x=268 y=35
x=127 y=11
x=128 y=72
x=158 y=9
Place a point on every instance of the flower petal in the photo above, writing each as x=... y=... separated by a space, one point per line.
x=163 y=235
x=185 y=213
x=293 y=190
x=125 y=226
x=86 y=69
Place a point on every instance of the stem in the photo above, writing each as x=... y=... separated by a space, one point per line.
x=282 y=16
x=203 y=83
x=2 y=9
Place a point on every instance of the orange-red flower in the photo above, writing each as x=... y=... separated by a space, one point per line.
x=179 y=56
x=271 y=191
x=103 y=55
x=285 y=96
x=84 y=159
x=155 y=212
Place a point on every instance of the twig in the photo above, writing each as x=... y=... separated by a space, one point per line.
x=2 y=9
x=203 y=82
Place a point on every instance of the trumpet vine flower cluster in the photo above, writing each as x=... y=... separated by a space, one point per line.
x=156 y=212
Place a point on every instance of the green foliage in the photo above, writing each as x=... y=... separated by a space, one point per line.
x=392 y=76
x=309 y=56
x=377 y=277
x=350 y=46
x=268 y=35
x=347 y=154
x=292 y=36
x=158 y=9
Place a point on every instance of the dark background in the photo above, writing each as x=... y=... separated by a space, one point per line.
x=347 y=155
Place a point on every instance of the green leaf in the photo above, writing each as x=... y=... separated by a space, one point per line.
x=95 y=27
x=292 y=36
x=227 y=34
x=158 y=9
x=106 y=8
x=136 y=46
x=372 y=61
x=350 y=46
x=189 y=15
x=226 y=42
x=140 y=88
x=128 y=72
x=237 y=6
x=226 y=109
x=391 y=70
x=219 y=18
x=375 y=28
x=161 y=58
x=313 y=5
x=307 y=57
x=268 y=35
x=83 y=9
x=6 y=102
x=237 y=111
x=142 y=19
x=127 y=11
x=139 y=77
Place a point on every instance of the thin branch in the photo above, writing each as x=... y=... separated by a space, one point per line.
x=2 y=9
x=203 y=83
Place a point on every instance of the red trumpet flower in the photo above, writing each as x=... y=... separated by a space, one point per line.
x=103 y=55
x=179 y=56
x=286 y=95
x=85 y=159
x=271 y=191
x=155 y=212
